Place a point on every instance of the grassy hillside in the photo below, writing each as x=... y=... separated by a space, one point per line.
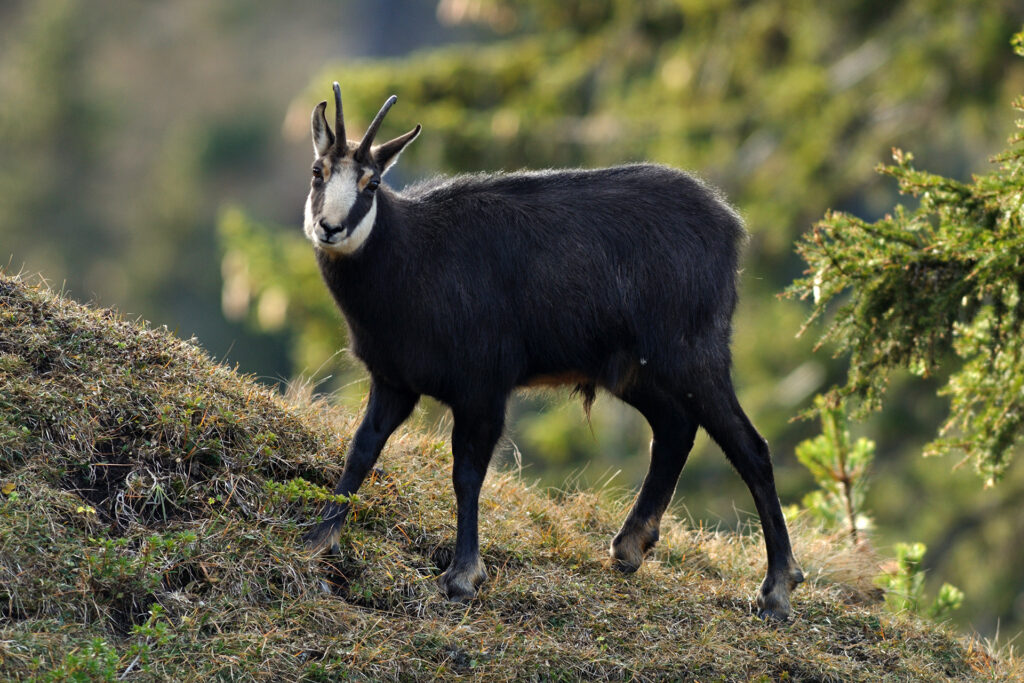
x=150 y=507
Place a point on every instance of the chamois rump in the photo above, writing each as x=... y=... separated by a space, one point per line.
x=466 y=288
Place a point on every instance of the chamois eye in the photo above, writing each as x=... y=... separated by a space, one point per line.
x=373 y=184
x=318 y=175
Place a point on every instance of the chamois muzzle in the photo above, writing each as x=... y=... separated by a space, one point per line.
x=330 y=231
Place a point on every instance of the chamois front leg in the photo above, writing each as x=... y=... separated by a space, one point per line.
x=473 y=439
x=388 y=408
x=674 y=430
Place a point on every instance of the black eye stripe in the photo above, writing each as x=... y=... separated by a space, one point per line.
x=358 y=211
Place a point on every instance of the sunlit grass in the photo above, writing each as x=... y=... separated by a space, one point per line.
x=151 y=503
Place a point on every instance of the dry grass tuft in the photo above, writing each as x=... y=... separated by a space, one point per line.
x=149 y=519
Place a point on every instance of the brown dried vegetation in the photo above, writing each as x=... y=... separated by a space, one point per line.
x=151 y=503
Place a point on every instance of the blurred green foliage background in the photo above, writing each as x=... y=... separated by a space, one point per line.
x=155 y=157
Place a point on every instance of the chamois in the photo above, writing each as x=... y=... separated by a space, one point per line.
x=465 y=288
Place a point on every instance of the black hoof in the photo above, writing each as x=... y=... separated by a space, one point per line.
x=461 y=584
x=773 y=616
x=624 y=567
x=629 y=548
x=323 y=538
x=773 y=596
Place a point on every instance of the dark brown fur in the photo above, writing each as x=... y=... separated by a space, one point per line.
x=620 y=278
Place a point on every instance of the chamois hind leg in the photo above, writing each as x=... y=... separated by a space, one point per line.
x=474 y=435
x=388 y=408
x=713 y=402
x=673 y=432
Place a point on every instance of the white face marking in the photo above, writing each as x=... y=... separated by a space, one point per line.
x=308 y=224
x=340 y=193
x=339 y=196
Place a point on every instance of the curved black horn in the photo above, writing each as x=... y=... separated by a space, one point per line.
x=339 y=121
x=371 y=132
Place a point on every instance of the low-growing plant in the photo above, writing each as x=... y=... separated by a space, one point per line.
x=840 y=468
x=93 y=660
x=298 y=490
x=904 y=586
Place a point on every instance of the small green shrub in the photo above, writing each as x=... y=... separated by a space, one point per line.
x=840 y=468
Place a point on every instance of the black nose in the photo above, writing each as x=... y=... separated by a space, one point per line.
x=328 y=230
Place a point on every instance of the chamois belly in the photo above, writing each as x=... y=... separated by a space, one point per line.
x=556 y=379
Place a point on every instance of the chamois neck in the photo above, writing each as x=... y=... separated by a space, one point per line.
x=363 y=277
x=389 y=237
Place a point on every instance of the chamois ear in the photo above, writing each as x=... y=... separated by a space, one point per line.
x=323 y=138
x=385 y=155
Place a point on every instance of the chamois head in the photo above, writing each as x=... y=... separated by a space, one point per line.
x=342 y=203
